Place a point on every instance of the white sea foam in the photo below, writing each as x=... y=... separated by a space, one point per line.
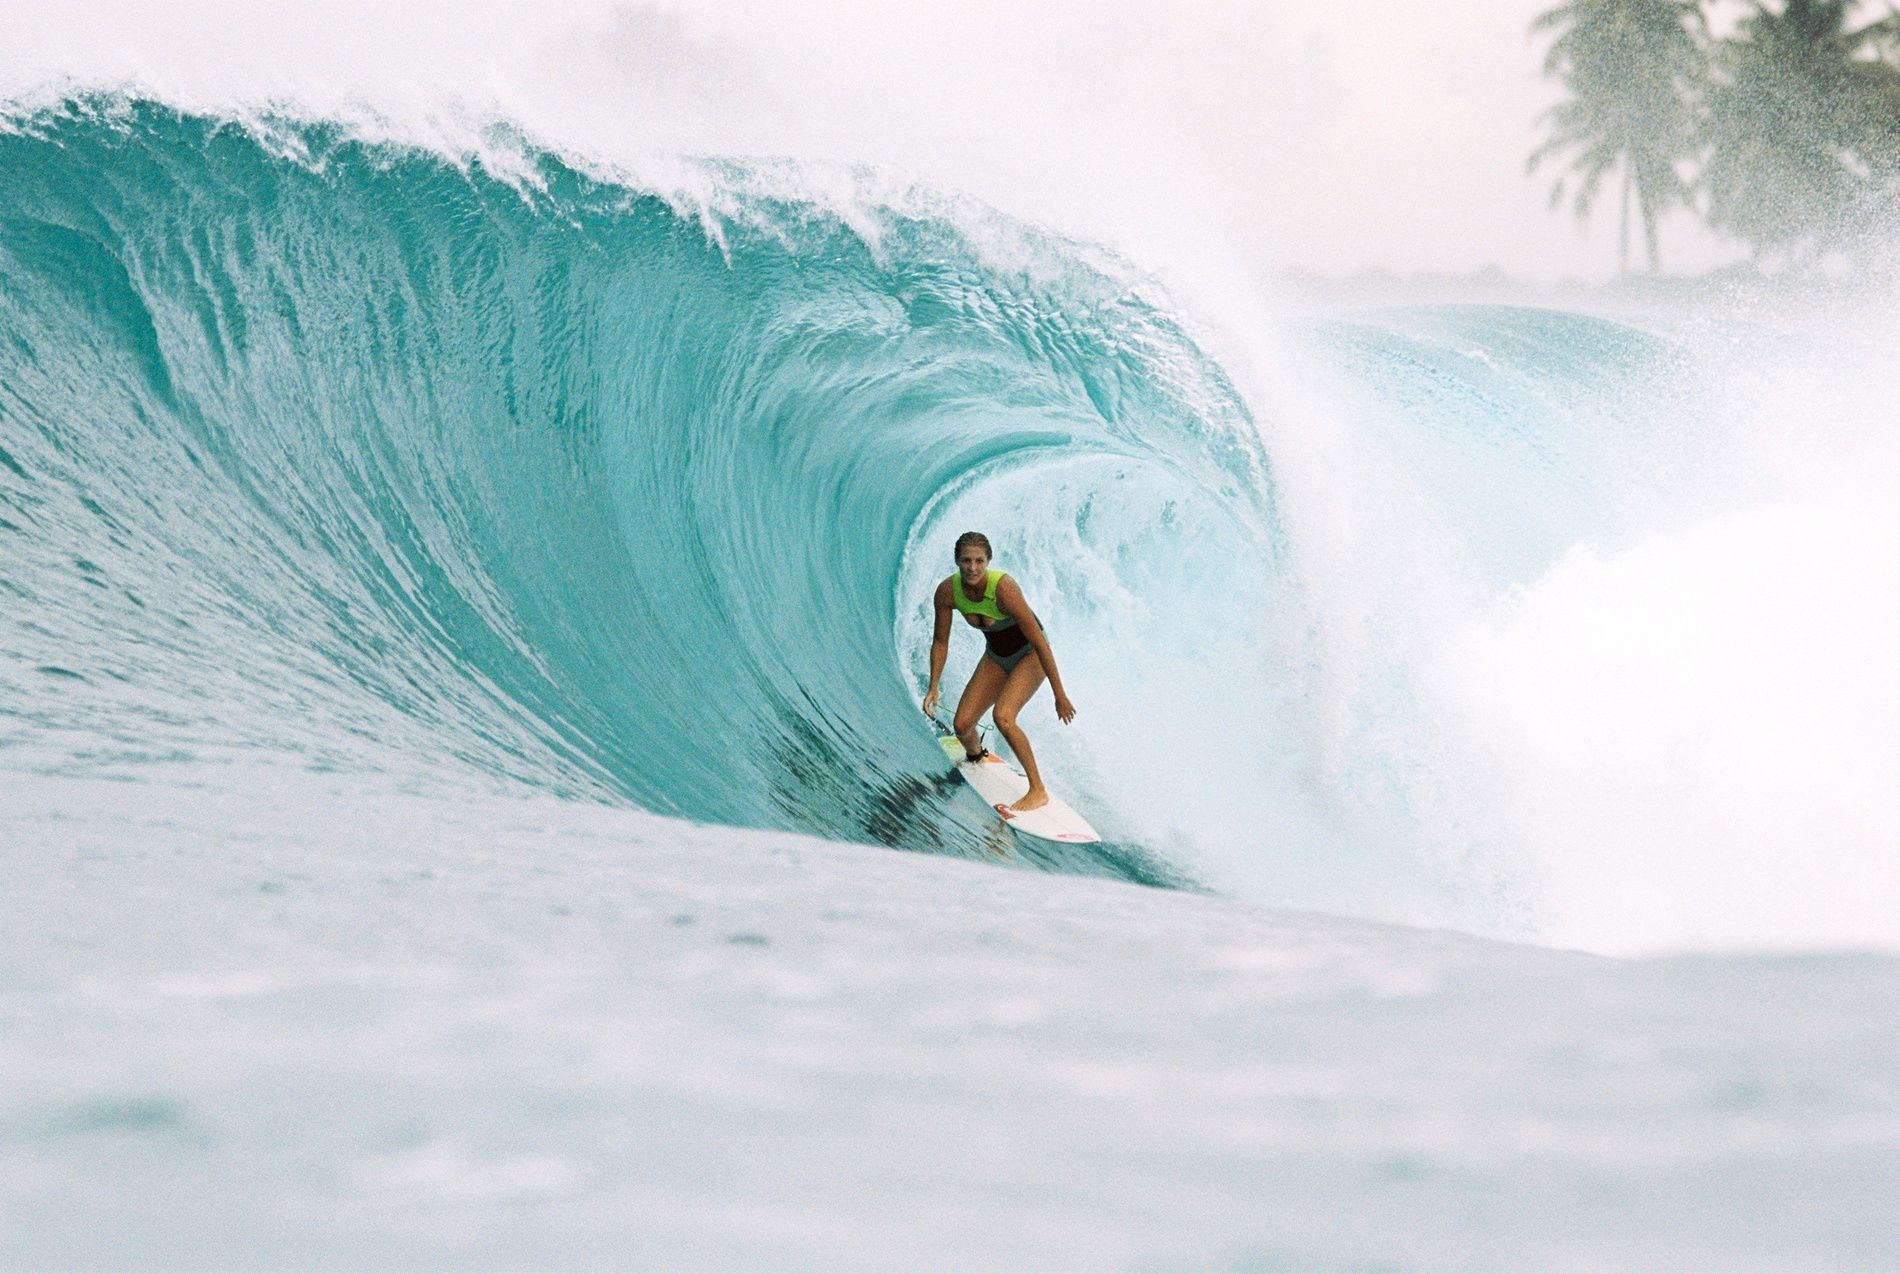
x=494 y=1033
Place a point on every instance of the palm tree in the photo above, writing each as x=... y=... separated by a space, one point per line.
x=1803 y=126
x=1633 y=69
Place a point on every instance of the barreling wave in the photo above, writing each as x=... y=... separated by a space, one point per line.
x=394 y=461
x=318 y=447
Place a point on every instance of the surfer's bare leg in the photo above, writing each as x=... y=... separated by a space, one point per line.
x=1024 y=680
x=985 y=684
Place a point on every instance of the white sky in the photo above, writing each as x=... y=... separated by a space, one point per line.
x=1383 y=134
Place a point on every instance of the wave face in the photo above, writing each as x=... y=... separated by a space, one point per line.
x=315 y=447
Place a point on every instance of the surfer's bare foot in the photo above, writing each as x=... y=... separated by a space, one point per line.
x=1034 y=799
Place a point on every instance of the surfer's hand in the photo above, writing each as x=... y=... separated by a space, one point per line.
x=1065 y=709
x=930 y=704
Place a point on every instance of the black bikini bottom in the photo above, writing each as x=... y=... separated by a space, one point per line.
x=1008 y=646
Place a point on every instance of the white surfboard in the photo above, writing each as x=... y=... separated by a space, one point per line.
x=1000 y=782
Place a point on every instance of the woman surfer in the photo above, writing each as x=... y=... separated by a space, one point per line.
x=1016 y=661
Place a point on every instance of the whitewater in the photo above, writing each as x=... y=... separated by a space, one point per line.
x=465 y=802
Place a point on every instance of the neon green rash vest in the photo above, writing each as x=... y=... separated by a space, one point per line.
x=988 y=606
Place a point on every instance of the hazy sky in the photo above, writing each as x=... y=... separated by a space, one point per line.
x=1386 y=133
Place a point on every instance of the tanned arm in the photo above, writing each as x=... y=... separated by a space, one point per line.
x=939 y=644
x=1010 y=597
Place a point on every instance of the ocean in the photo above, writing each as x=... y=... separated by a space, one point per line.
x=462 y=622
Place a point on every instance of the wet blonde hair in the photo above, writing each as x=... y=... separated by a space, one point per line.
x=968 y=538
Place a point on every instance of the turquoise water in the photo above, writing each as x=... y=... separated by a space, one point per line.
x=350 y=453
x=383 y=533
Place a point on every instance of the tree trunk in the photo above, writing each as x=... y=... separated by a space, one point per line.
x=1623 y=227
x=1648 y=207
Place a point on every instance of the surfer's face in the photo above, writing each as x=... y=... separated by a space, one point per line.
x=973 y=562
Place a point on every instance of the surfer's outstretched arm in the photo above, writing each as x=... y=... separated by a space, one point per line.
x=939 y=647
x=1009 y=595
